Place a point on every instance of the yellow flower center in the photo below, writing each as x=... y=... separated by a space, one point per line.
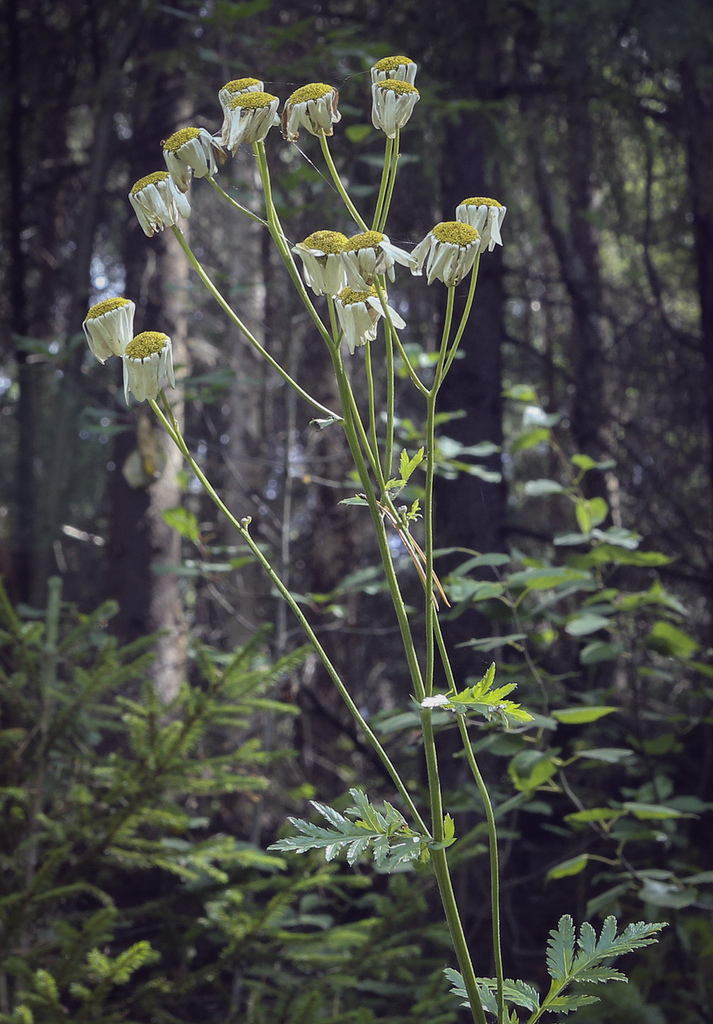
x=480 y=201
x=105 y=306
x=397 y=86
x=146 y=344
x=391 y=63
x=365 y=240
x=150 y=179
x=456 y=233
x=252 y=100
x=180 y=138
x=330 y=242
x=348 y=296
x=314 y=91
x=240 y=84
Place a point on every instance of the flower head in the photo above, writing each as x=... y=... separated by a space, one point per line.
x=249 y=116
x=370 y=253
x=313 y=106
x=322 y=263
x=148 y=361
x=486 y=216
x=109 y=327
x=157 y=202
x=191 y=151
x=392 y=104
x=448 y=250
x=234 y=88
x=359 y=313
x=400 y=68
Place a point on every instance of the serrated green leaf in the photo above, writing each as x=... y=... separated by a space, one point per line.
x=560 y=949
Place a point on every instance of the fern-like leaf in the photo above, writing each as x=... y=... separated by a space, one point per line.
x=392 y=841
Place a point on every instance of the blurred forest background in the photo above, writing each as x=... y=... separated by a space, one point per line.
x=577 y=457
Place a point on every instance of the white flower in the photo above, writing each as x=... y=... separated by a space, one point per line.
x=436 y=701
x=359 y=314
x=322 y=264
x=400 y=68
x=314 y=107
x=157 y=202
x=148 y=361
x=191 y=151
x=109 y=327
x=249 y=116
x=448 y=250
x=234 y=88
x=392 y=104
x=370 y=253
x=486 y=216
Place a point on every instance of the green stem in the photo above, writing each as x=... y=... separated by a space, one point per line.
x=358 y=219
x=392 y=180
x=390 y=399
x=227 y=308
x=492 y=832
x=171 y=426
x=464 y=316
x=235 y=204
x=442 y=872
x=428 y=518
x=384 y=182
x=352 y=434
x=281 y=241
x=373 y=429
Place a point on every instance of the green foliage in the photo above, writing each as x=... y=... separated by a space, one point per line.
x=124 y=896
x=585 y=961
x=393 y=843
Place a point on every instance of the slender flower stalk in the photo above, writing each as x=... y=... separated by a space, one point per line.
x=170 y=424
x=339 y=185
x=248 y=335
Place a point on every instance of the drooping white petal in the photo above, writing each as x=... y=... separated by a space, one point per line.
x=109 y=327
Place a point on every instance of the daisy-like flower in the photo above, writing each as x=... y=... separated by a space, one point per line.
x=400 y=68
x=322 y=263
x=370 y=253
x=486 y=216
x=449 y=252
x=148 y=361
x=109 y=327
x=234 y=88
x=314 y=107
x=157 y=202
x=191 y=151
x=249 y=116
x=359 y=313
x=392 y=104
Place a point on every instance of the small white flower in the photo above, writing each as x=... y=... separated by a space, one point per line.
x=157 y=202
x=486 y=216
x=249 y=116
x=192 y=151
x=449 y=251
x=322 y=264
x=359 y=313
x=148 y=361
x=436 y=701
x=109 y=327
x=392 y=104
x=371 y=253
x=400 y=68
x=234 y=88
x=313 y=107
